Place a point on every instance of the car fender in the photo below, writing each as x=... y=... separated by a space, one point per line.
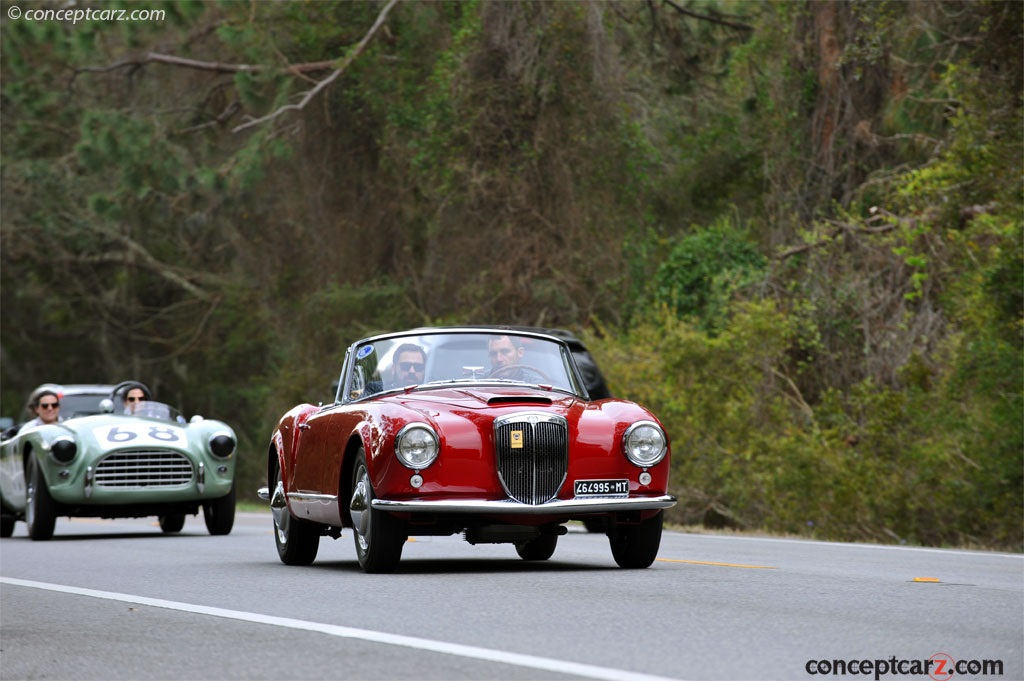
x=286 y=437
x=12 y=476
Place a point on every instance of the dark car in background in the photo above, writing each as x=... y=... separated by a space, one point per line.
x=592 y=376
x=80 y=399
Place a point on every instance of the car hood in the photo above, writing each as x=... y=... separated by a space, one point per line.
x=482 y=398
x=104 y=432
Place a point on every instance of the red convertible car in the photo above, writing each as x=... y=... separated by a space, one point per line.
x=489 y=433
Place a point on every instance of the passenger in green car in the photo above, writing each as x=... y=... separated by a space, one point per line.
x=46 y=406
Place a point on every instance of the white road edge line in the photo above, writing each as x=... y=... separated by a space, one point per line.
x=486 y=654
x=849 y=545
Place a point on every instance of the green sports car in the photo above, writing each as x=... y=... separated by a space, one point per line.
x=128 y=461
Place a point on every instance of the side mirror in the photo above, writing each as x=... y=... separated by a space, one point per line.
x=107 y=406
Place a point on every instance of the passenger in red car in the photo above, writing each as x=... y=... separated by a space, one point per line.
x=409 y=366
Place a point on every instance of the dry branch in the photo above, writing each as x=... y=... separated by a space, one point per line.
x=216 y=67
x=740 y=26
x=329 y=79
x=136 y=254
x=221 y=67
x=839 y=227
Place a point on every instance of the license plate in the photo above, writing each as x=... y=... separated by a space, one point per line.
x=601 y=488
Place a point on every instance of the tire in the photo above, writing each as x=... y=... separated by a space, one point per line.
x=7 y=525
x=40 y=509
x=636 y=546
x=541 y=548
x=219 y=514
x=172 y=522
x=297 y=540
x=379 y=536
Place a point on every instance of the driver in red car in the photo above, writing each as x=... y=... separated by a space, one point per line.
x=505 y=353
x=409 y=366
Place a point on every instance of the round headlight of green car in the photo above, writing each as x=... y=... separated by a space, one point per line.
x=222 y=445
x=417 y=445
x=63 y=450
x=645 y=443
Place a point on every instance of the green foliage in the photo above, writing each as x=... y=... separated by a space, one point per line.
x=871 y=463
x=734 y=419
x=704 y=270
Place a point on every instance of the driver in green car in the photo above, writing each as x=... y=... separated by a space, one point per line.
x=133 y=399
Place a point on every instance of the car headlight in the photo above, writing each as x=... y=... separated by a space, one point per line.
x=645 y=443
x=417 y=446
x=222 y=445
x=63 y=450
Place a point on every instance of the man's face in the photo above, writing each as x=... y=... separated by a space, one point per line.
x=503 y=352
x=408 y=368
x=134 y=397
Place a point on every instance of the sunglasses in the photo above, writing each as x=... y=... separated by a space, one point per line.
x=411 y=366
x=49 y=405
x=134 y=399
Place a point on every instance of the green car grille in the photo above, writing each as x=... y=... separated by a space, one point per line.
x=144 y=468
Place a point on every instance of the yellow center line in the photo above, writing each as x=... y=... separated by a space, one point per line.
x=708 y=562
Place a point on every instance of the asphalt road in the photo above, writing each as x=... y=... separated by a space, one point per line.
x=118 y=600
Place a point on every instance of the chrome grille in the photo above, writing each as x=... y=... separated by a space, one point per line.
x=144 y=468
x=532 y=454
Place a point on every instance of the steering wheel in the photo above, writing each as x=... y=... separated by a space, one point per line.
x=517 y=371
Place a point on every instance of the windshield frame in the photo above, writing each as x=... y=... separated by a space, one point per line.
x=353 y=383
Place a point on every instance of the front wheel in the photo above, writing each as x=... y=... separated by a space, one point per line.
x=219 y=514
x=7 y=525
x=379 y=536
x=172 y=522
x=541 y=548
x=636 y=546
x=297 y=540
x=40 y=509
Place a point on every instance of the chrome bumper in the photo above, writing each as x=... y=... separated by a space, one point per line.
x=504 y=507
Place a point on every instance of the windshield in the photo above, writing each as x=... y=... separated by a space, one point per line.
x=153 y=410
x=441 y=358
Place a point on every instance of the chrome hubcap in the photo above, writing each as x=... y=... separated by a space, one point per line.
x=30 y=495
x=279 y=510
x=359 y=507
